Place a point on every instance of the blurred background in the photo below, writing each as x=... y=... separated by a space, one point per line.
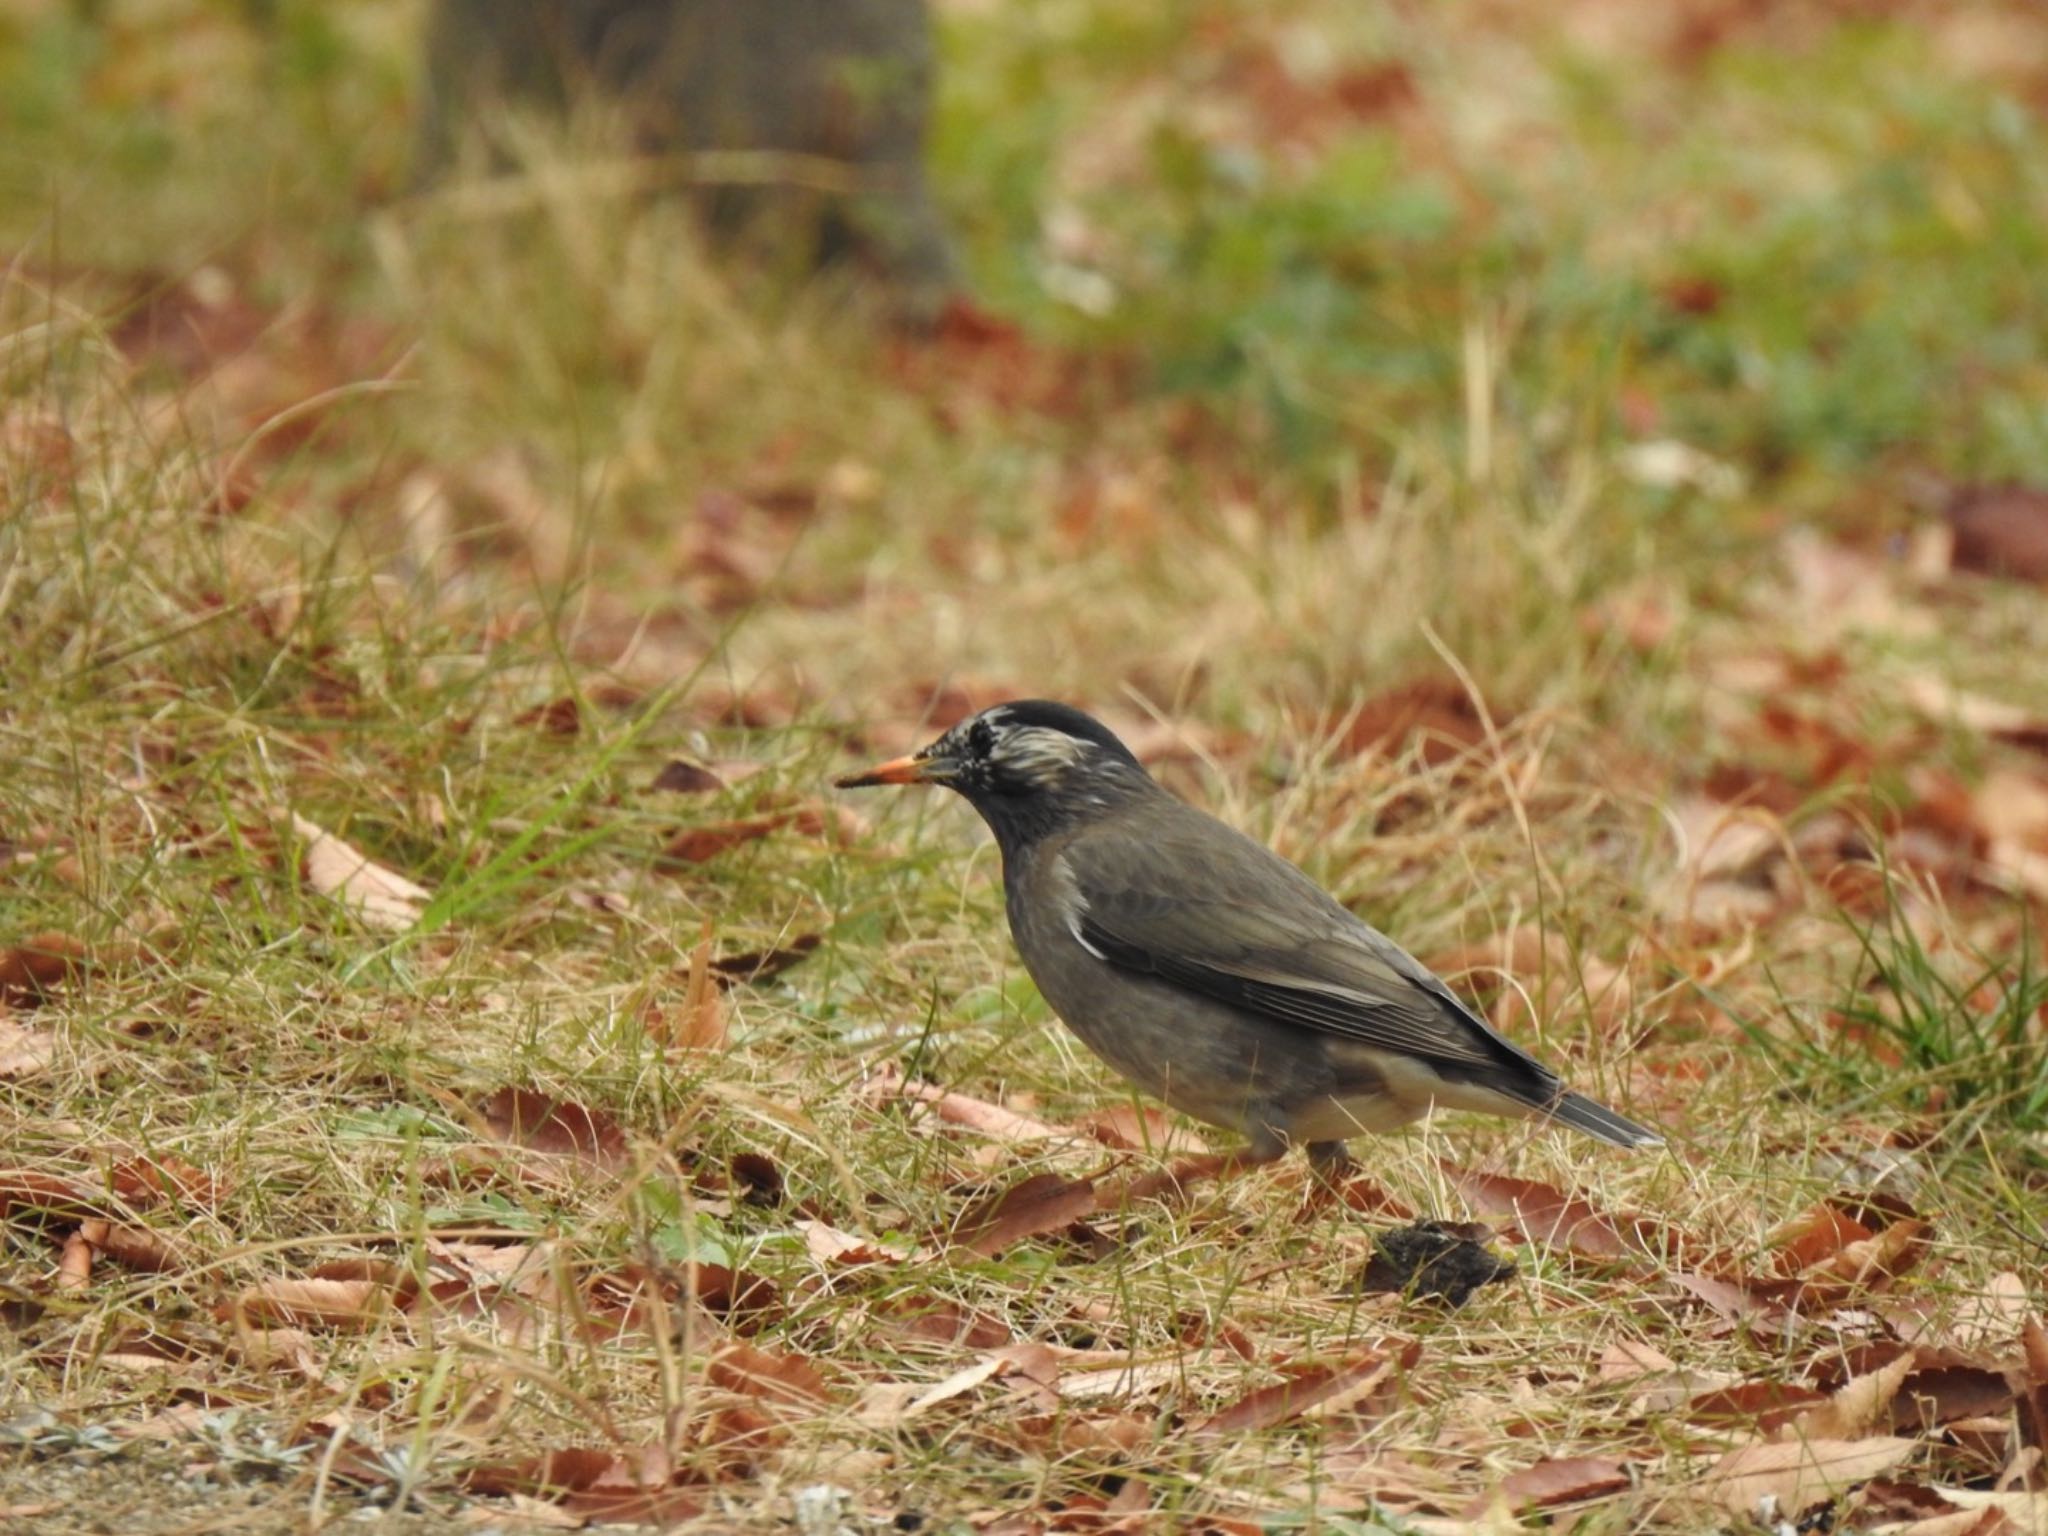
x=1212 y=349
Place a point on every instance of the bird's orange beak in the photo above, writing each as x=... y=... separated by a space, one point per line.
x=898 y=770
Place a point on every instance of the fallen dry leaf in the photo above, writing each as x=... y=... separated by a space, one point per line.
x=1549 y=1218
x=532 y=1120
x=334 y=1303
x=1797 y=1474
x=2000 y=530
x=1874 y=1262
x=1993 y=1316
x=1435 y=715
x=637 y=1487
x=1044 y=1202
x=700 y=1021
x=2025 y=1513
x=1815 y=1236
x=34 y=1189
x=888 y=1083
x=759 y=964
x=681 y=777
x=1553 y=1481
x=889 y=1403
x=1142 y=1128
x=1937 y=1395
x=828 y=1245
x=1320 y=1390
x=929 y=1319
x=151 y=1180
x=1730 y=858
x=379 y=898
x=1838 y=591
x=783 y=1382
x=35 y=968
x=561 y=716
x=24 y=1052
x=74 y=1265
x=141 y=1248
x=1859 y=1406
x=1766 y=1405
x=699 y=844
x=1944 y=703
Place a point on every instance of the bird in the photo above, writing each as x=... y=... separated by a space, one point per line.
x=1206 y=969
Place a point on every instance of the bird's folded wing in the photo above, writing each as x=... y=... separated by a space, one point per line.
x=1265 y=939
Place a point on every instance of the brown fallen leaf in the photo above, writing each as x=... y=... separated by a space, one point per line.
x=828 y=1245
x=272 y=1348
x=74 y=1265
x=333 y=1303
x=1554 y=1481
x=532 y=1120
x=1993 y=1316
x=1859 y=1406
x=33 y=970
x=888 y=1083
x=1044 y=1202
x=634 y=1487
x=886 y=1404
x=2032 y=1383
x=35 y=1189
x=2000 y=530
x=759 y=964
x=1945 y=704
x=1794 y=1475
x=930 y=1319
x=1318 y=1390
x=561 y=716
x=1434 y=713
x=1550 y=1218
x=151 y=1180
x=1767 y=1405
x=681 y=777
x=700 y=1021
x=24 y=1052
x=1142 y=1128
x=785 y=1383
x=1935 y=1396
x=1872 y=1263
x=702 y=843
x=378 y=898
x=1815 y=1236
x=141 y=1248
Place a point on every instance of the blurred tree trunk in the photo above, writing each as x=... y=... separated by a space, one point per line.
x=814 y=111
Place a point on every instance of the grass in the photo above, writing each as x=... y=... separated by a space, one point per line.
x=446 y=531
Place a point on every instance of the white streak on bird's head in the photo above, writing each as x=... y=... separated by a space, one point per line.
x=1033 y=748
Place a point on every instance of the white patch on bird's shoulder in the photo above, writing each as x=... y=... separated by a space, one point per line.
x=1073 y=906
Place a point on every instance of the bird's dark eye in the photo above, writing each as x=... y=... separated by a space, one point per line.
x=981 y=738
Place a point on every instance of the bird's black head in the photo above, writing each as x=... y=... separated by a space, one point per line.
x=1028 y=767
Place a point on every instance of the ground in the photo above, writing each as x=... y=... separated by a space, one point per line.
x=1571 y=477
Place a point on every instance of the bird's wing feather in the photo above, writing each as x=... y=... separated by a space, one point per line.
x=1190 y=901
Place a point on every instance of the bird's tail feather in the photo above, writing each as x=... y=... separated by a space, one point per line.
x=1595 y=1119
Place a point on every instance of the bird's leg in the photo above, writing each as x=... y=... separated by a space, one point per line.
x=1332 y=1162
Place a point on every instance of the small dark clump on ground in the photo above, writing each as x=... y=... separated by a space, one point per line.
x=1443 y=1260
